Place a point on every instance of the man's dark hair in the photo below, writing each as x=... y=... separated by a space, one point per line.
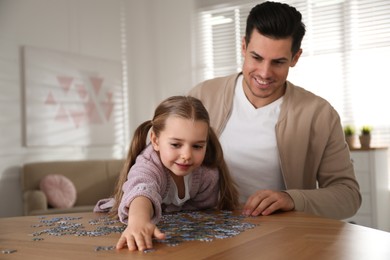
x=278 y=21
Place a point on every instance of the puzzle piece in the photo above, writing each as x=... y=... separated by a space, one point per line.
x=178 y=227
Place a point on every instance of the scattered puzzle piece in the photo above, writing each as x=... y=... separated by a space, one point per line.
x=8 y=251
x=178 y=227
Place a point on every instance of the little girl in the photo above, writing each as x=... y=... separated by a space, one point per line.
x=182 y=168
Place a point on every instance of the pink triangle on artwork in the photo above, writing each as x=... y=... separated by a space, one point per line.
x=81 y=90
x=109 y=95
x=50 y=100
x=77 y=117
x=107 y=107
x=96 y=84
x=65 y=82
x=62 y=116
x=92 y=113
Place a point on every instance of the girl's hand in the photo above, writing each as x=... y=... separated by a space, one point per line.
x=138 y=235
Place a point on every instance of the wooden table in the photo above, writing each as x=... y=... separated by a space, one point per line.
x=290 y=235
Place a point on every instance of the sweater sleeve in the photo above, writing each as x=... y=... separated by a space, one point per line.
x=315 y=159
x=146 y=178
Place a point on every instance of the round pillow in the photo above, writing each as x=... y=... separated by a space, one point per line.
x=59 y=190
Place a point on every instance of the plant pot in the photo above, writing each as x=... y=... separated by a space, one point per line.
x=350 y=139
x=365 y=141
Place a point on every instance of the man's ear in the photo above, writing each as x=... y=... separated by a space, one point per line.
x=154 y=141
x=243 y=46
x=296 y=58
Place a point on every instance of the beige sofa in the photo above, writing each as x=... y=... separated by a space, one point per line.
x=93 y=180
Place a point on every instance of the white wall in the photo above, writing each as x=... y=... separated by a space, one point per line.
x=158 y=59
x=159 y=52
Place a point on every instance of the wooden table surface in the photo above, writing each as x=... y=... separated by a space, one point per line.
x=291 y=235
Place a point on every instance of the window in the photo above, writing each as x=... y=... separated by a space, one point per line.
x=346 y=51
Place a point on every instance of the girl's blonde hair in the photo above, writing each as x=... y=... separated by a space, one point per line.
x=188 y=108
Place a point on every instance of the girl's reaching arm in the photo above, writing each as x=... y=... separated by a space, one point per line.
x=140 y=230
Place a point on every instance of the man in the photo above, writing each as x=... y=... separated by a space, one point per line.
x=284 y=146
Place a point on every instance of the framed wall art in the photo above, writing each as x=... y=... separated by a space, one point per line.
x=71 y=100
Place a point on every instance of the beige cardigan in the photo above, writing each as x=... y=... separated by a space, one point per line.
x=311 y=146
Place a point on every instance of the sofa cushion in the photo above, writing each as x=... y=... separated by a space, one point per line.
x=59 y=190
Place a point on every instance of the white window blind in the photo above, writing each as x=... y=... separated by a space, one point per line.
x=346 y=54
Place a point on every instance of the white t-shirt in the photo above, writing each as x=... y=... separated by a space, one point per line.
x=249 y=145
x=172 y=196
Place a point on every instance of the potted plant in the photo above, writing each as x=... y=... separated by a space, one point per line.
x=349 y=132
x=365 y=136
